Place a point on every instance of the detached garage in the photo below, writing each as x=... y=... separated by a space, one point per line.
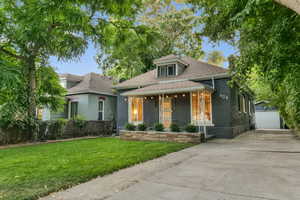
x=267 y=117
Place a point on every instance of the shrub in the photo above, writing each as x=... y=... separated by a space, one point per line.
x=191 y=128
x=159 y=127
x=142 y=127
x=79 y=121
x=174 y=128
x=130 y=127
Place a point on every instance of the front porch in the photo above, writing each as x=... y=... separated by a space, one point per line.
x=180 y=103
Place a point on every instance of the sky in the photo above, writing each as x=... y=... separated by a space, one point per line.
x=87 y=63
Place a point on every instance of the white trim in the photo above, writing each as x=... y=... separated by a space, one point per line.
x=129 y=111
x=102 y=109
x=202 y=121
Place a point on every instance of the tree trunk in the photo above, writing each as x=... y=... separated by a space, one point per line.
x=291 y=4
x=31 y=97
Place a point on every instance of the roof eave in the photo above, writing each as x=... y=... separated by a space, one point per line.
x=89 y=92
x=167 y=91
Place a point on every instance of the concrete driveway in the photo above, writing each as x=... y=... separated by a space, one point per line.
x=252 y=166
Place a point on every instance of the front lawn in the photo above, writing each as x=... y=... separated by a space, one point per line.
x=33 y=171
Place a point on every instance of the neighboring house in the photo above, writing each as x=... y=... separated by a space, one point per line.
x=90 y=96
x=267 y=117
x=183 y=90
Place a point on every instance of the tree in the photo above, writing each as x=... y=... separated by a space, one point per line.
x=216 y=57
x=33 y=30
x=267 y=36
x=292 y=4
x=170 y=31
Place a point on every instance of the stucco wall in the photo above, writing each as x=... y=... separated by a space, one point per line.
x=109 y=107
x=87 y=107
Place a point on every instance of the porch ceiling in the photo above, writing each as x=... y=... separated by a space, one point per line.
x=169 y=88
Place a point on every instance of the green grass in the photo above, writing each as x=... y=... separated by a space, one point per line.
x=34 y=171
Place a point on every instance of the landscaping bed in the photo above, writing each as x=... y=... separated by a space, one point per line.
x=33 y=171
x=182 y=137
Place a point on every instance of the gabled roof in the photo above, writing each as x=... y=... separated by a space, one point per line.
x=71 y=77
x=195 y=70
x=169 y=88
x=93 y=83
x=169 y=58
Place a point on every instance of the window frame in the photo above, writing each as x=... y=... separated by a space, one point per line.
x=102 y=110
x=71 y=113
x=201 y=106
x=130 y=110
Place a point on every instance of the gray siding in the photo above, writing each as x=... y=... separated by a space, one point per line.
x=221 y=109
x=151 y=111
x=227 y=120
x=181 y=114
x=122 y=110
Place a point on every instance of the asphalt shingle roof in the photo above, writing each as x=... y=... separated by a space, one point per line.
x=195 y=69
x=93 y=83
x=168 y=88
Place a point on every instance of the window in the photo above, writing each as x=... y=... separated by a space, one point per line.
x=101 y=110
x=201 y=107
x=249 y=107
x=74 y=109
x=171 y=70
x=135 y=110
x=166 y=70
x=241 y=103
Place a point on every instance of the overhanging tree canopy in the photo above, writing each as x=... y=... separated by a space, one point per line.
x=33 y=30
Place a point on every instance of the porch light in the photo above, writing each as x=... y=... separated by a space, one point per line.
x=134 y=111
x=183 y=95
x=175 y=96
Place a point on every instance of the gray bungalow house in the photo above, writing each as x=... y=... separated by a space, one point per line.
x=184 y=91
x=90 y=96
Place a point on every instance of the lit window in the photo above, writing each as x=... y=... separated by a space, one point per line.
x=201 y=107
x=135 y=110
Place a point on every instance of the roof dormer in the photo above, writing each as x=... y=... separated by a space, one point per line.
x=169 y=66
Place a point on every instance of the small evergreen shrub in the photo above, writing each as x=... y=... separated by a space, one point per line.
x=159 y=127
x=130 y=127
x=142 y=127
x=191 y=128
x=174 y=128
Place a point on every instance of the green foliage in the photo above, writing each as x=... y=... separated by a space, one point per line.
x=267 y=36
x=79 y=121
x=164 y=30
x=175 y=128
x=70 y=163
x=130 y=127
x=142 y=127
x=32 y=31
x=216 y=57
x=159 y=127
x=191 y=128
x=52 y=129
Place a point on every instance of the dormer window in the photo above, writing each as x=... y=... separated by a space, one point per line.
x=166 y=70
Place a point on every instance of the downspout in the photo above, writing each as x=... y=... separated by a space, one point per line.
x=213 y=82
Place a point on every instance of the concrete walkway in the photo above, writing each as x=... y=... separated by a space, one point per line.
x=252 y=166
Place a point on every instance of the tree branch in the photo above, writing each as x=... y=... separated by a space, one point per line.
x=11 y=54
x=291 y=4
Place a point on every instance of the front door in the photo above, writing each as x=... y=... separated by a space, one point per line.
x=166 y=111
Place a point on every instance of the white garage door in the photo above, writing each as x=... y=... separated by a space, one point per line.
x=267 y=119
